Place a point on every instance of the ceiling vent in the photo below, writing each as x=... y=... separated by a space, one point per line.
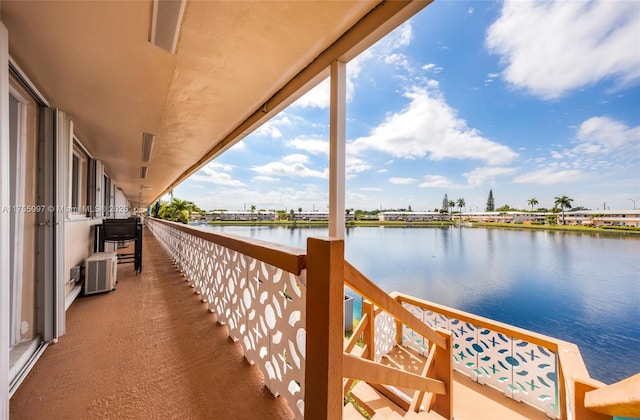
x=148 y=141
x=166 y=19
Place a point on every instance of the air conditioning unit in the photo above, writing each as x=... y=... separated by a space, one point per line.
x=100 y=272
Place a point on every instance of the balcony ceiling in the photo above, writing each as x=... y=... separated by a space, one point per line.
x=94 y=61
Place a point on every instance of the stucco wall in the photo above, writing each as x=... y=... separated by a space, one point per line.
x=79 y=239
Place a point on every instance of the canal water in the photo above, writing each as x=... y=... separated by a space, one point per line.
x=581 y=288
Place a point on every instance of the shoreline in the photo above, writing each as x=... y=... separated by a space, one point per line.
x=609 y=231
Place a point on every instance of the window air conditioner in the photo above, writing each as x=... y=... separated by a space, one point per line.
x=100 y=272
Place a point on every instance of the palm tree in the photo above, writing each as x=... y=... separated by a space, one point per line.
x=532 y=202
x=563 y=202
x=181 y=210
x=460 y=203
x=451 y=204
x=164 y=211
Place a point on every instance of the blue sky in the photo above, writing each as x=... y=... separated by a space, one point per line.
x=529 y=99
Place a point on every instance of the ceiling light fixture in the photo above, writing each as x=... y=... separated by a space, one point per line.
x=148 y=140
x=143 y=171
x=166 y=19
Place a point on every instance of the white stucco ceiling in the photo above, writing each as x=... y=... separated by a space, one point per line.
x=93 y=60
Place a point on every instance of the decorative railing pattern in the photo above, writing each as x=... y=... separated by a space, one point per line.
x=262 y=305
x=385 y=334
x=521 y=370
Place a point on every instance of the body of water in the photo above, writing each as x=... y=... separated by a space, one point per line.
x=576 y=287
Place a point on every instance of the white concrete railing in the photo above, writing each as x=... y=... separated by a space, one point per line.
x=521 y=364
x=262 y=305
x=385 y=334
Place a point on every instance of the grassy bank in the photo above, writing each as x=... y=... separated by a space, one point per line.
x=303 y=223
x=608 y=230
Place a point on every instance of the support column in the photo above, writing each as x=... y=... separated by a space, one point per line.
x=337 y=149
x=324 y=323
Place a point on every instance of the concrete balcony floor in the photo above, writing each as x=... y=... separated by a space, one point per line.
x=148 y=350
x=151 y=350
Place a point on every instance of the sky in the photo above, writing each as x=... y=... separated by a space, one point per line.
x=529 y=99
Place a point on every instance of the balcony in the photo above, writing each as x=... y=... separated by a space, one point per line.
x=216 y=325
x=149 y=349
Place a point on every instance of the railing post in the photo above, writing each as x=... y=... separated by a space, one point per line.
x=399 y=324
x=443 y=370
x=581 y=412
x=369 y=335
x=562 y=389
x=324 y=323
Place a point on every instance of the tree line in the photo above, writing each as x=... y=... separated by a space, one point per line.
x=181 y=210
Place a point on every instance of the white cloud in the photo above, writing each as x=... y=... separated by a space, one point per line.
x=370 y=189
x=277 y=198
x=319 y=96
x=551 y=175
x=398 y=60
x=319 y=146
x=490 y=78
x=265 y=178
x=428 y=126
x=398 y=38
x=552 y=47
x=215 y=166
x=479 y=176
x=290 y=166
x=271 y=128
x=432 y=67
x=382 y=171
x=310 y=144
x=601 y=144
x=355 y=165
x=239 y=147
x=216 y=173
x=401 y=181
x=437 y=181
x=606 y=134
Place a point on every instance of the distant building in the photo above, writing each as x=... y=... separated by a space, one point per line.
x=241 y=216
x=597 y=218
x=630 y=218
x=318 y=216
x=246 y=216
x=412 y=216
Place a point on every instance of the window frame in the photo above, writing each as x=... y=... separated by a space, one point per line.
x=79 y=195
